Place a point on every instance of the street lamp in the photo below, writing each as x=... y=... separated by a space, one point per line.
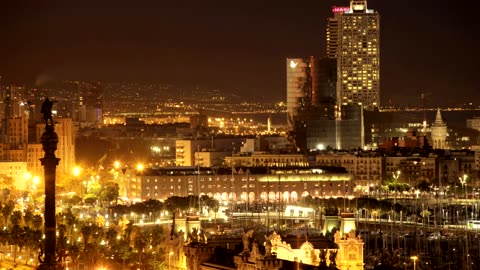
x=169 y=255
x=396 y=175
x=76 y=171
x=463 y=181
x=414 y=258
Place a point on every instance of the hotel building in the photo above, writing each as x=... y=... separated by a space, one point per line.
x=353 y=36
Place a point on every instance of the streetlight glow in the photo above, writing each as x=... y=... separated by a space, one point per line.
x=76 y=171
x=414 y=258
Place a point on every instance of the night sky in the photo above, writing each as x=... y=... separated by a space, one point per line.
x=429 y=46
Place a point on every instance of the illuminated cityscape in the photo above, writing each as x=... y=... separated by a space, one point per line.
x=339 y=134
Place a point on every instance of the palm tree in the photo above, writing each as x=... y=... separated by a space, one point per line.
x=139 y=240
x=15 y=239
x=73 y=251
x=87 y=231
x=425 y=214
x=111 y=236
x=32 y=238
x=157 y=236
x=70 y=221
x=28 y=217
x=7 y=210
x=37 y=222
x=16 y=232
x=100 y=221
x=124 y=251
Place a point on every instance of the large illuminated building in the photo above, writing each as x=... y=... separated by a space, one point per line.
x=367 y=169
x=353 y=36
x=253 y=184
x=299 y=86
x=312 y=110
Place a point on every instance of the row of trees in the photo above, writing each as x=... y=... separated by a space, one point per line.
x=172 y=204
x=84 y=241
x=88 y=240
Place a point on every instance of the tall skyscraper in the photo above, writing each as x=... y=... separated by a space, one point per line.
x=353 y=36
x=299 y=85
x=333 y=31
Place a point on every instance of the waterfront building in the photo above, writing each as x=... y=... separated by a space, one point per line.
x=346 y=132
x=455 y=164
x=439 y=132
x=413 y=170
x=358 y=54
x=367 y=169
x=254 y=184
x=265 y=159
x=411 y=139
x=300 y=77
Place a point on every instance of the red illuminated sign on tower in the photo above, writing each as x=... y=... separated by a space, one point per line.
x=340 y=9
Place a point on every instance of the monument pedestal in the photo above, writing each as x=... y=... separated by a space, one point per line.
x=51 y=259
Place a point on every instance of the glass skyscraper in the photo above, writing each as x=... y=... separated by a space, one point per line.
x=353 y=36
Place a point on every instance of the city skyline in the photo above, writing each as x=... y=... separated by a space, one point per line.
x=239 y=47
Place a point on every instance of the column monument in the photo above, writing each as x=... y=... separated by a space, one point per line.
x=51 y=259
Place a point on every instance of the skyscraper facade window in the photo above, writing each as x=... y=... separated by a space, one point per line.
x=358 y=55
x=299 y=85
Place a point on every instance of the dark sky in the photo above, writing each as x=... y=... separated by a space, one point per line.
x=427 y=45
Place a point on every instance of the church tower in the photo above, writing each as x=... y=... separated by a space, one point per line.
x=439 y=132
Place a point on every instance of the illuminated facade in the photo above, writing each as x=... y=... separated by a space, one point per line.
x=34 y=154
x=299 y=85
x=333 y=31
x=263 y=159
x=439 y=132
x=186 y=149
x=22 y=148
x=261 y=184
x=413 y=170
x=366 y=170
x=66 y=145
x=358 y=55
x=16 y=172
x=346 y=132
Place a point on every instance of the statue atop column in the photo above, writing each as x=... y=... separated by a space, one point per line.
x=46 y=110
x=49 y=257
